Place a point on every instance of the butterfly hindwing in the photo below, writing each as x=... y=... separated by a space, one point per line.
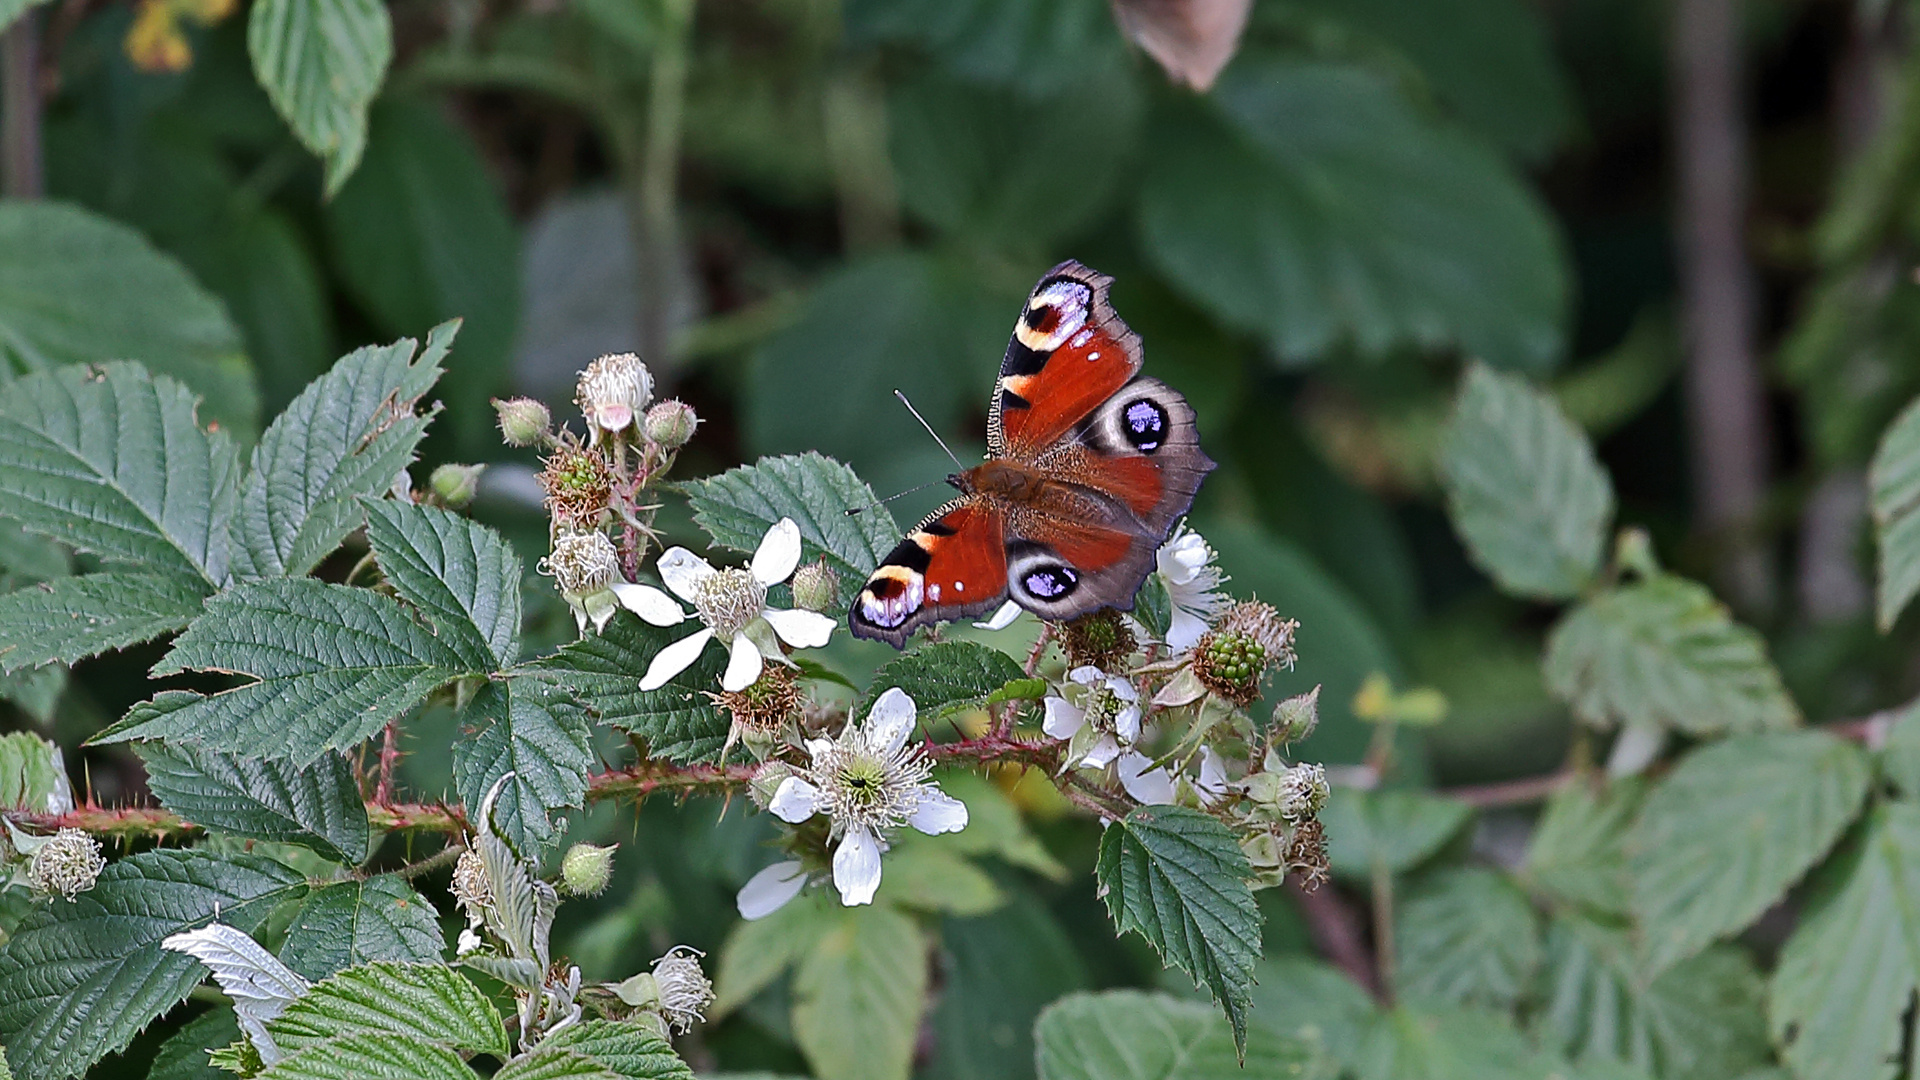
x=952 y=565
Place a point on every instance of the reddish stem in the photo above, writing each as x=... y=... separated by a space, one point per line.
x=1335 y=927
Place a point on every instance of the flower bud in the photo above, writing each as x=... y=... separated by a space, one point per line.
x=612 y=391
x=1295 y=718
x=68 y=864
x=455 y=484
x=816 y=587
x=523 y=421
x=671 y=424
x=586 y=869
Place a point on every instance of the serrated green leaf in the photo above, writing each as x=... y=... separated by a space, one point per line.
x=534 y=732
x=72 y=618
x=998 y=973
x=109 y=459
x=333 y=665
x=464 y=576
x=33 y=776
x=1899 y=759
x=758 y=951
x=321 y=62
x=35 y=691
x=1315 y=208
x=80 y=979
x=943 y=678
x=431 y=1002
x=1314 y=1002
x=1700 y=1020
x=1523 y=487
x=317 y=806
x=1178 y=878
x=372 y=1055
x=1663 y=651
x=738 y=506
x=858 y=995
x=1838 y=1005
x=545 y=1063
x=347 y=435
x=28 y=558
x=1578 y=851
x=602 y=672
x=184 y=1055
x=629 y=1051
x=1466 y=935
x=1129 y=1035
x=78 y=288
x=1399 y=829
x=924 y=874
x=1724 y=835
x=1434 y=1041
x=1894 y=483
x=349 y=923
x=994 y=825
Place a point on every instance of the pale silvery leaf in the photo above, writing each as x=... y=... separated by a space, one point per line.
x=259 y=984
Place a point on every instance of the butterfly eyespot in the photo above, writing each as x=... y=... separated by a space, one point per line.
x=1144 y=424
x=1050 y=582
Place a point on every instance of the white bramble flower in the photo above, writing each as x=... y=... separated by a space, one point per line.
x=733 y=605
x=1185 y=564
x=612 y=392
x=685 y=992
x=769 y=890
x=868 y=781
x=1147 y=783
x=1212 y=782
x=586 y=568
x=1098 y=713
x=66 y=864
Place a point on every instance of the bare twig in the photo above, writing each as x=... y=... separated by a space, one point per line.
x=1336 y=931
x=20 y=159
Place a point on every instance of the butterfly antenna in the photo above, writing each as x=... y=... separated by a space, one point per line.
x=930 y=431
x=882 y=502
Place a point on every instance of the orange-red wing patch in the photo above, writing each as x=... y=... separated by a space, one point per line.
x=1076 y=377
x=1135 y=481
x=967 y=557
x=1086 y=547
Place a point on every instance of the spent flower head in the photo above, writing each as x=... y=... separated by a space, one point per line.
x=685 y=992
x=1100 y=640
x=66 y=864
x=578 y=483
x=612 y=392
x=1249 y=639
x=869 y=781
x=585 y=566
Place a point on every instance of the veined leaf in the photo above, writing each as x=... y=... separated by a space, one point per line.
x=317 y=806
x=334 y=664
x=109 y=459
x=347 y=435
x=1700 y=1020
x=1129 y=1035
x=758 y=951
x=1578 y=851
x=737 y=508
x=1178 y=878
x=943 y=678
x=994 y=826
x=71 y=618
x=858 y=995
x=349 y=923
x=464 y=576
x=184 y=1056
x=998 y=973
x=1466 y=935
x=372 y=1055
x=33 y=776
x=79 y=288
x=533 y=731
x=1900 y=757
x=1430 y=1041
x=1314 y=1002
x=1663 y=651
x=1729 y=830
x=1894 y=480
x=1839 y=1001
x=430 y=1002
x=1523 y=487
x=1398 y=829
x=629 y=1051
x=321 y=62
x=602 y=672
x=79 y=980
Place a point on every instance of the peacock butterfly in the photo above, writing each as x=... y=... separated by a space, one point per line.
x=1089 y=465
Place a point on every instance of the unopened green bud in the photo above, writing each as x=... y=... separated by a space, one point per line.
x=586 y=869
x=816 y=587
x=1295 y=718
x=767 y=782
x=455 y=484
x=671 y=424
x=523 y=421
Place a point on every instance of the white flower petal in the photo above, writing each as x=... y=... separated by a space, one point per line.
x=778 y=554
x=815 y=747
x=769 y=890
x=1002 y=618
x=1063 y=718
x=1126 y=724
x=801 y=629
x=743 y=667
x=1184 y=631
x=649 y=603
x=675 y=659
x=1087 y=675
x=890 y=720
x=1122 y=688
x=938 y=813
x=1213 y=776
x=682 y=570
x=1150 y=786
x=1102 y=754
x=794 y=801
x=856 y=867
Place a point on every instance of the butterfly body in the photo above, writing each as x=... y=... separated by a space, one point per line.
x=1089 y=465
